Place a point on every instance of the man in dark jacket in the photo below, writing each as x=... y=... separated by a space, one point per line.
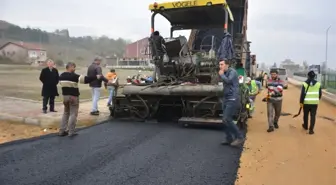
x=158 y=46
x=94 y=70
x=49 y=78
x=69 y=81
x=231 y=103
x=311 y=94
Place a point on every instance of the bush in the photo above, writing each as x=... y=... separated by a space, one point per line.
x=59 y=62
x=5 y=60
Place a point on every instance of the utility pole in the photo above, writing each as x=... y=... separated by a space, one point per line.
x=326 y=59
x=326 y=48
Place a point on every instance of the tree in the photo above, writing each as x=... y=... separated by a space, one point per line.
x=62 y=46
x=79 y=58
x=59 y=62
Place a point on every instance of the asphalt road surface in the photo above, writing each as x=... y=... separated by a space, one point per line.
x=119 y=153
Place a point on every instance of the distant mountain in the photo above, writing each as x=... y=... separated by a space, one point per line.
x=59 y=44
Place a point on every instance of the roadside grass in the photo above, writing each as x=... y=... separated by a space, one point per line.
x=22 y=81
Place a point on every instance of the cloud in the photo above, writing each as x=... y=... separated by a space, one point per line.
x=277 y=29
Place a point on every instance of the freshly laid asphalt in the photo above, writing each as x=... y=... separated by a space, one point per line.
x=122 y=153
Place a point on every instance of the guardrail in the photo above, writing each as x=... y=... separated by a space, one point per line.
x=299 y=78
x=131 y=67
x=326 y=96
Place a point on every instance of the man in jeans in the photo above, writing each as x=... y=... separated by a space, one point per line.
x=274 y=100
x=111 y=86
x=94 y=70
x=231 y=103
x=69 y=81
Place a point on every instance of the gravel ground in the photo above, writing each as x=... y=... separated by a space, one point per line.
x=122 y=153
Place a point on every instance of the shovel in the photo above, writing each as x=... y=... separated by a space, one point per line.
x=296 y=115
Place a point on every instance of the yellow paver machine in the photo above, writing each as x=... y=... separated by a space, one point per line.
x=189 y=90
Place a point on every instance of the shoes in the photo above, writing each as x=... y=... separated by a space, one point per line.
x=270 y=129
x=61 y=134
x=311 y=132
x=73 y=134
x=304 y=127
x=237 y=142
x=276 y=125
x=66 y=133
x=53 y=111
x=226 y=143
x=95 y=113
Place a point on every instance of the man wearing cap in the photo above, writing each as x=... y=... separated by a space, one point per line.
x=311 y=94
x=94 y=70
x=69 y=82
x=254 y=87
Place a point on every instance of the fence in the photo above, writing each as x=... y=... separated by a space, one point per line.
x=328 y=80
x=142 y=64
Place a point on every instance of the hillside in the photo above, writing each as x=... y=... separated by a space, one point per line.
x=61 y=46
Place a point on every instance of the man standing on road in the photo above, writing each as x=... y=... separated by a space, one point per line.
x=69 y=81
x=94 y=70
x=274 y=100
x=254 y=88
x=311 y=94
x=158 y=46
x=49 y=78
x=111 y=86
x=230 y=103
x=265 y=79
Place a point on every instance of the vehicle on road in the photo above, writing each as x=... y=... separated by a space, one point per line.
x=189 y=90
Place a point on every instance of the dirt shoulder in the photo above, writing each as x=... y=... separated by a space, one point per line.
x=15 y=131
x=289 y=156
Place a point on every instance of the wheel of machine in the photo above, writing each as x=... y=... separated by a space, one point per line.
x=138 y=112
x=185 y=125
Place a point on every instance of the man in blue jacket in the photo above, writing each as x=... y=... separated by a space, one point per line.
x=231 y=103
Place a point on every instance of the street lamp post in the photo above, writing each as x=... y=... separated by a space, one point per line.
x=326 y=48
x=326 y=58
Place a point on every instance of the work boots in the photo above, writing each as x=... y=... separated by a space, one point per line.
x=270 y=129
x=276 y=125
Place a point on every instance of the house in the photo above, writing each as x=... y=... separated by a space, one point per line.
x=290 y=65
x=22 y=52
x=136 y=53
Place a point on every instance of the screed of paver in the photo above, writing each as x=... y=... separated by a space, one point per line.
x=289 y=156
x=15 y=131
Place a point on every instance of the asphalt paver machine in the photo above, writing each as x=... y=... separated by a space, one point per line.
x=189 y=90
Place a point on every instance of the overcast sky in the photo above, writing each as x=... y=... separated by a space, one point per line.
x=294 y=29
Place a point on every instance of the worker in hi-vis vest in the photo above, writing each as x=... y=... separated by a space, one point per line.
x=254 y=87
x=311 y=94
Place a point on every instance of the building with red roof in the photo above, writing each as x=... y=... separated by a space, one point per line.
x=24 y=52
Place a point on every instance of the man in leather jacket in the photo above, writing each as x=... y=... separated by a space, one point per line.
x=158 y=51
